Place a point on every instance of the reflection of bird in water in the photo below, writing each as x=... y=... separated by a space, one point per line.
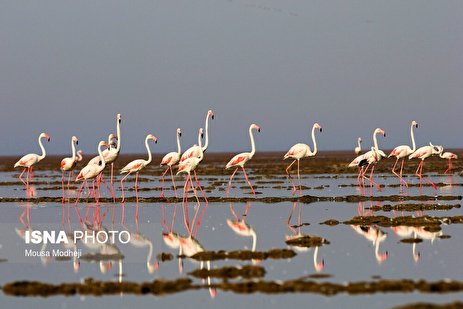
x=138 y=240
x=406 y=232
x=376 y=236
x=108 y=249
x=29 y=160
x=170 y=238
x=240 y=227
x=299 y=151
x=297 y=234
x=189 y=247
x=171 y=159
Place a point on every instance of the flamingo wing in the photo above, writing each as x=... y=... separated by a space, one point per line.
x=239 y=159
x=133 y=166
x=27 y=160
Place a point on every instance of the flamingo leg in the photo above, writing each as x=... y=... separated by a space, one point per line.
x=62 y=185
x=136 y=197
x=198 y=206
x=69 y=182
x=163 y=214
x=401 y=169
x=299 y=179
x=426 y=179
x=173 y=181
x=449 y=167
x=246 y=176
x=229 y=183
x=162 y=181
x=20 y=176
x=199 y=186
x=80 y=191
x=107 y=187
x=289 y=176
x=185 y=205
x=122 y=186
x=395 y=173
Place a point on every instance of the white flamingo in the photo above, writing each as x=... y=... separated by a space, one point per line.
x=400 y=152
x=69 y=163
x=137 y=165
x=240 y=159
x=298 y=152
x=194 y=151
x=29 y=160
x=358 y=149
x=171 y=159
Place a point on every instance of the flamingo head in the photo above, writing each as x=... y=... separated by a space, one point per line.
x=382 y=257
x=317 y=126
x=213 y=292
x=380 y=131
x=414 y=124
x=320 y=266
x=255 y=126
x=152 y=137
x=210 y=113
x=75 y=140
x=105 y=266
x=118 y=117
x=45 y=135
x=179 y=132
x=359 y=139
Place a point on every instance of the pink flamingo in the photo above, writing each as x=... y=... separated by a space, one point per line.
x=194 y=151
x=400 y=152
x=358 y=149
x=136 y=166
x=369 y=158
x=29 y=160
x=170 y=159
x=68 y=164
x=240 y=159
x=92 y=171
x=111 y=142
x=423 y=153
x=298 y=152
x=187 y=166
x=448 y=156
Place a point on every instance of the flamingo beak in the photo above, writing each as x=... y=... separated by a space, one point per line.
x=212 y=116
x=258 y=129
x=180 y=134
x=321 y=129
x=77 y=142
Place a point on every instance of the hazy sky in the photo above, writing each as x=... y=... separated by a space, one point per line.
x=67 y=68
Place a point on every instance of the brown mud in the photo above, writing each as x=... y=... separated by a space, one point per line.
x=242 y=255
x=230 y=272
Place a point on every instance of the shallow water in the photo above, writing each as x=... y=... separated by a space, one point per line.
x=353 y=253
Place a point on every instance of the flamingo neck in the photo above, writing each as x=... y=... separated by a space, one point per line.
x=253 y=145
x=178 y=145
x=413 y=138
x=79 y=155
x=100 y=153
x=315 y=149
x=118 y=130
x=73 y=146
x=206 y=144
x=149 y=151
x=44 y=153
x=201 y=149
x=375 y=141
x=254 y=241
x=150 y=253
x=359 y=145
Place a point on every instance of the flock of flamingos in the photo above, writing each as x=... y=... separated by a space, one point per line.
x=108 y=152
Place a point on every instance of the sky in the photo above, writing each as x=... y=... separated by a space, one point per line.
x=68 y=67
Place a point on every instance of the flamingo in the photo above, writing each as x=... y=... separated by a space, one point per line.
x=400 y=152
x=111 y=142
x=240 y=159
x=376 y=236
x=136 y=165
x=92 y=171
x=448 y=156
x=194 y=151
x=358 y=149
x=113 y=153
x=423 y=153
x=187 y=166
x=369 y=158
x=298 y=152
x=68 y=164
x=29 y=160
x=170 y=159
